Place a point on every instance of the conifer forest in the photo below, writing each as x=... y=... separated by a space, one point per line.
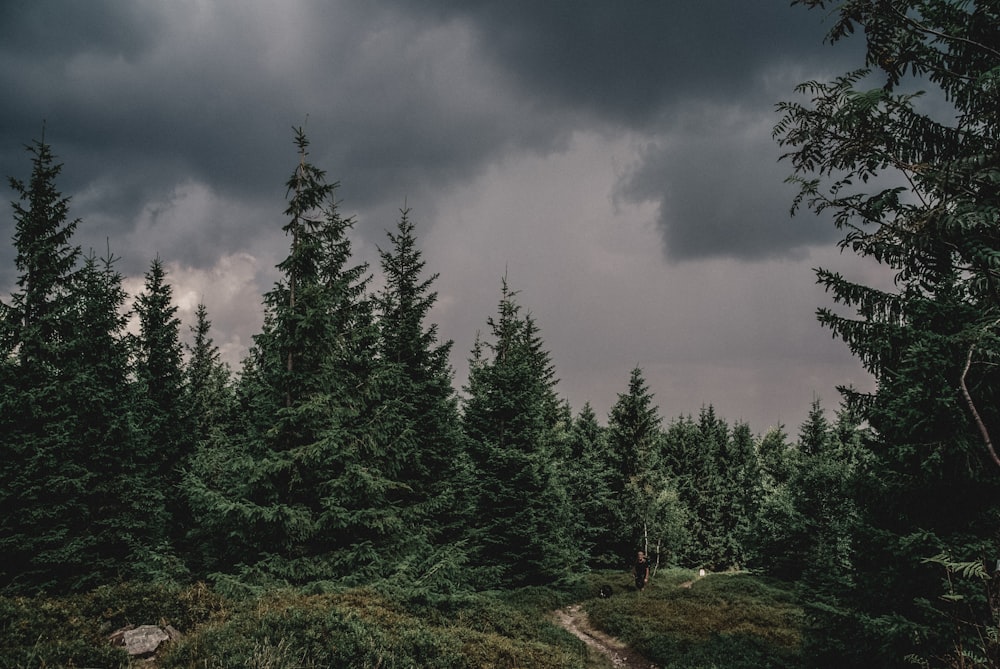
x=340 y=454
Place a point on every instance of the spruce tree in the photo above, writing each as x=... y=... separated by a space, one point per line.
x=208 y=392
x=634 y=436
x=814 y=539
x=36 y=326
x=307 y=490
x=685 y=461
x=778 y=460
x=714 y=433
x=159 y=378
x=127 y=521
x=591 y=479
x=740 y=494
x=814 y=434
x=210 y=413
x=773 y=454
x=692 y=453
x=824 y=528
x=78 y=509
x=420 y=401
x=524 y=529
x=35 y=322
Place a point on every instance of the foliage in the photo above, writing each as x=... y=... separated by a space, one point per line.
x=741 y=491
x=159 y=399
x=339 y=457
x=774 y=455
x=36 y=325
x=358 y=627
x=362 y=628
x=80 y=505
x=652 y=516
x=716 y=473
x=209 y=407
x=971 y=588
x=807 y=525
x=675 y=623
x=159 y=374
x=903 y=155
x=591 y=479
x=207 y=382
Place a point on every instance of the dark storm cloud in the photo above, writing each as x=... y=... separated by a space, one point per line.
x=404 y=100
x=628 y=60
x=696 y=75
x=33 y=32
x=129 y=111
x=717 y=185
x=137 y=101
x=139 y=98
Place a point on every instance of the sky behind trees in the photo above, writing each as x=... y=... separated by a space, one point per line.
x=614 y=160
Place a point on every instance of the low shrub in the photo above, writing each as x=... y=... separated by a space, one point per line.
x=184 y=607
x=679 y=620
x=682 y=620
x=363 y=628
x=73 y=630
x=729 y=651
x=40 y=632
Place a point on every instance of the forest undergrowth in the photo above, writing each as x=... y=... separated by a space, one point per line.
x=679 y=621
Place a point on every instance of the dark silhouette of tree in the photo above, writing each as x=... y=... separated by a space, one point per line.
x=72 y=487
x=910 y=179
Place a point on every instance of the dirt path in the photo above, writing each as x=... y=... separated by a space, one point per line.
x=574 y=620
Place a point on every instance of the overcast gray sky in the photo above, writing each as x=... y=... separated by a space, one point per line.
x=614 y=159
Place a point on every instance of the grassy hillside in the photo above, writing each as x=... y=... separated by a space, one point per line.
x=736 y=618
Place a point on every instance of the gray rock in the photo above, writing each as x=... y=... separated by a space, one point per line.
x=143 y=640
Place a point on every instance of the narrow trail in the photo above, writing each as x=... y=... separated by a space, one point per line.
x=574 y=620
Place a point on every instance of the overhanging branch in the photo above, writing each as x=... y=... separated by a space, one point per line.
x=983 y=431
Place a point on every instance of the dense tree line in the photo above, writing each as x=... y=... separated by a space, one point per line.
x=340 y=452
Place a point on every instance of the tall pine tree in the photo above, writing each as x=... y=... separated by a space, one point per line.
x=126 y=520
x=210 y=413
x=308 y=488
x=645 y=493
x=37 y=323
x=592 y=479
x=421 y=402
x=524 y=529
x=208 y=392
x=159 y=409
x=77 y=509
x=740 y=494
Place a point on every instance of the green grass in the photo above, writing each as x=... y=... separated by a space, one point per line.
x=722 y=620
x=286 y=629
x=730 y=621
